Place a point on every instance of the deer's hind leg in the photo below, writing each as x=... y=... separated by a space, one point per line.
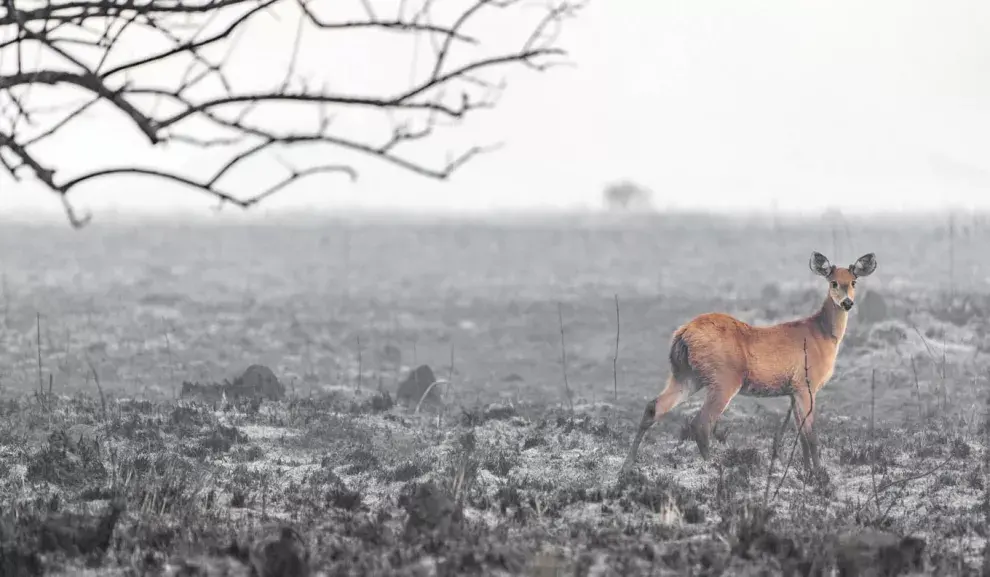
x=673 y=394
x=720 y=393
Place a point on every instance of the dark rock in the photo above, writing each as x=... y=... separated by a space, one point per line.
x=208 y=393
x=877 y=553
x=412 y=389
x=257 y=381
x=75 y=535
x=872 y=308
x=286 y=556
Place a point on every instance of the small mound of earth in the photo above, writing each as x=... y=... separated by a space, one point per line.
x=872 y=308
x=257 y=381
x=879 y=553
x=209 y=393
x=888 y=334
x=412 y=389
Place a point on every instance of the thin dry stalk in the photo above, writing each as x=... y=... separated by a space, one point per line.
x=917 y=387
x=563 y=357
x=615 y=358
x=446 y=391
x=811 y=408
x=6 y=298
x=168 y=351
x=427 y=392
x=986 y=483
x=99 y=387
x=360 y=365
x=41 y=380
x=884 y=487
x=873 y=446
x=775 y=450
x=952 y=254
x=945 y=388
x=450 y=373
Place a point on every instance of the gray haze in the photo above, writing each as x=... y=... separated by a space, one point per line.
x=716 y=105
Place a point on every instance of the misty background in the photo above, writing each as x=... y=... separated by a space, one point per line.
x=717 y=106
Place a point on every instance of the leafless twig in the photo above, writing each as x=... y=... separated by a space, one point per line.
x=64 y=46
x=615 y=358
x=563 y=358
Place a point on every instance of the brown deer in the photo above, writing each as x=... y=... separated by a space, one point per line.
x=730 y=357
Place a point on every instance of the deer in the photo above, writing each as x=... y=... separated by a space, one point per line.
x=728 y=357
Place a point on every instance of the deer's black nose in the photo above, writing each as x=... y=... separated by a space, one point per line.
x=847 y=303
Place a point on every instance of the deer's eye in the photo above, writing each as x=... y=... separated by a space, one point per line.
x=835 y=284
x=854 y=284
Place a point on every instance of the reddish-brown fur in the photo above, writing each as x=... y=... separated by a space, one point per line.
x=726 y=356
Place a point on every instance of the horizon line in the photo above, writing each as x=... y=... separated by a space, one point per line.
x=236 y=215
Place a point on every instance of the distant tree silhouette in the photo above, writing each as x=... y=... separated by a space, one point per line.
x=627 y=196
x=128 y=56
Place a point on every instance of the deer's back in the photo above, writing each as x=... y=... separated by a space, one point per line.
x=765 y=358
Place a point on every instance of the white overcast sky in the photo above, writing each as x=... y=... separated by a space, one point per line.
x=711 y=104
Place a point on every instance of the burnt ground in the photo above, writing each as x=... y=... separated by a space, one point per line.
x=512 y=477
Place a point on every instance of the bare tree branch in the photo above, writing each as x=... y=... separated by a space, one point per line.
x=52 y=48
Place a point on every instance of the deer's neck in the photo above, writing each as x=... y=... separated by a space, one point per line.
x=831 y=320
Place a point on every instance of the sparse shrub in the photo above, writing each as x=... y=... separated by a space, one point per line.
x=95 y=493
x=361 y=460
x=533 y=440
x=860 y=455
x=173 y=490
x=210 y=393
x=663 y=495
x=975 y=480
x=497 y=412
x=888 y=334
x=380 y=402
x=500 y=462
x=247 y=454
x=430 y=510
x=185 y=417
x=748 y=457
x=960 y=448
x=405 y=471
x=471 y=417
x=928 y=451
x=57 y=464
x=508 y=497
x=341 y=497
x=221 y=438
x=946 y=479
x=244 y=480
x=238 y=498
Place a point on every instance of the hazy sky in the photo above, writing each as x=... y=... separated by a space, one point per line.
x=859 y=105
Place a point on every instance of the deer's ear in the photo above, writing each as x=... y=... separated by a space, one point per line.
x=820 y=265
x=864 y=266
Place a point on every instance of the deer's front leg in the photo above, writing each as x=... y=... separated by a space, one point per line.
x=804 y=419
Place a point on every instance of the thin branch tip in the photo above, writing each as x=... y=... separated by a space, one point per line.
x=77 y=46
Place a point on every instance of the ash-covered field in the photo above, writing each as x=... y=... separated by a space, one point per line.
x=107 y=472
